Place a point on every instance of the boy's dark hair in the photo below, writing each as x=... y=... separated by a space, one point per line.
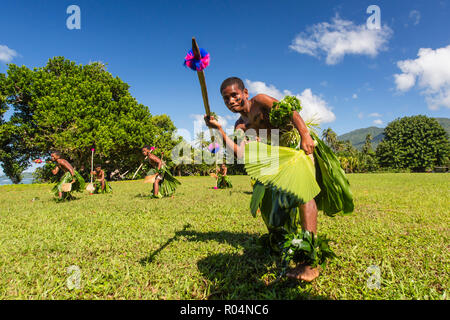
x=230 y=81
x=56 y=152
x=146 y=147
x=97 y=166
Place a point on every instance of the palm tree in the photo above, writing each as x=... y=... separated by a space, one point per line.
x=201 y=141
x=368 y=144
x=330 y=138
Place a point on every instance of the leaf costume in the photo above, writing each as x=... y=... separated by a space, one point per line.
x=77 y=186
x=98 y=187
x=223 y=182
x=286 y=178
x=168 y=183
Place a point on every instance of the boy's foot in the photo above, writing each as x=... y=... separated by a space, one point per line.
x=303 y=272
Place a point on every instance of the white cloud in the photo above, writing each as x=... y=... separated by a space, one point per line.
x=233 y=117
x=378 y=121
x=415 y=16
x=256 y=87
x=355 y=96
x=405 y=81
x=375 y=115
x=7 y=54
x=341 y=37
x=360 y=115
x=314 y=107
x=431 y=72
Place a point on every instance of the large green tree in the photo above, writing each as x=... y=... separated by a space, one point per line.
x=72 y=108
x=415 y=143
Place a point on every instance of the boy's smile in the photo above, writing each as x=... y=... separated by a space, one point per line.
x=234 y=98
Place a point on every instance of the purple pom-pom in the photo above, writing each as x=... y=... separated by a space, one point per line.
x=195 y=64
x=214 y=147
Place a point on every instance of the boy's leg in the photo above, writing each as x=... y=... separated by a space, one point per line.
x=156 y=186
x=308 y=216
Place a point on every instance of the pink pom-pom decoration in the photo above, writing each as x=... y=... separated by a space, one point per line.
x=92 y=149
x=214 y=147
x=215 y=188
x=152 y=148
x=195 y=64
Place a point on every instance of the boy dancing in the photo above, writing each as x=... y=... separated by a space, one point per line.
x=101 y=184
x=223 y=181
x=71 y=179
x=165 y=184
x=283 y=213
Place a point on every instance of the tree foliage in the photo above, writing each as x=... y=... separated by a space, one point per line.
x=415 y=143
x=73 y=108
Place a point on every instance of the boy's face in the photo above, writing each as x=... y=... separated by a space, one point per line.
x=54 y=156
x=98 y=169
x=234 y=98
x=145 y=151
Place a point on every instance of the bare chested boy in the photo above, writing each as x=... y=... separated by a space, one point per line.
x=70 y=176
x=155 y=162
x=165 y=184
x=223 y=181
x=254 y=114
x=102 y=186
x=223 y=169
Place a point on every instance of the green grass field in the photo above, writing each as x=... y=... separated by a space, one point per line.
x=203 y=244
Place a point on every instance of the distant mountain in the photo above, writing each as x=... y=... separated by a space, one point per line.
x=445 y=123
x=358 y=137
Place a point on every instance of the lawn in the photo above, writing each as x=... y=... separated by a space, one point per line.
x=204 y=243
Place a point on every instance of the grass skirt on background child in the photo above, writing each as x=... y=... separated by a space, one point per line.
x=223 y=182
x=77 y=186
x=168 y=183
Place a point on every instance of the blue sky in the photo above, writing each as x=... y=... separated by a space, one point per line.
x=320 y=51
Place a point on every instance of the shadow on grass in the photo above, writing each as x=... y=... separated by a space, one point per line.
x=143 y=195
x=254 y=274
x=57 y=200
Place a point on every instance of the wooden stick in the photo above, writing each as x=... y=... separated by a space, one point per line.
x=201 y=76
x=92 y=164
x=201 y=79
x=142 y=163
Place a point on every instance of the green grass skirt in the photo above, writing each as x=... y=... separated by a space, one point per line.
x=280 y=209
x=98 y=187
x=168 y=184
x=77 y=186
x=223 y=182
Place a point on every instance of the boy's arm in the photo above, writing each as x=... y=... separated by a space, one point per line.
x=152 y=157
x=68 y=166
x=237 y=149
x=307 y=143
x=56 y=170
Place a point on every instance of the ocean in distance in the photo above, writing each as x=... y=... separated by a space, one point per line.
x=27 y=179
